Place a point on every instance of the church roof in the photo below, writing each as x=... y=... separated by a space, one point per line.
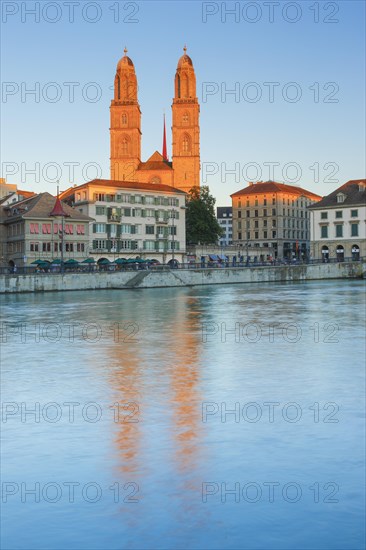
x=125 y=62
x=155 y=162
x=262 y=187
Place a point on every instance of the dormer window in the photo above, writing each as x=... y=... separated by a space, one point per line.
x=340 y=197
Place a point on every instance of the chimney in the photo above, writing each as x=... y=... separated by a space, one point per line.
x=251 y=183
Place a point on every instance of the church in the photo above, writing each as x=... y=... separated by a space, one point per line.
x=183 y=172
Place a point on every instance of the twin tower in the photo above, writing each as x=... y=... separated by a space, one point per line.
x=126 y=165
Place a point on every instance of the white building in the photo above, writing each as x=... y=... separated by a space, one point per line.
x=338 y=223
x=224 y=215
x=132 y=219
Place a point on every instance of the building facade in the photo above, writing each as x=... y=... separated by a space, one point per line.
x=338 y=223
x=224 y=215
x=132 y=219
x=125 y=131
x=271 y=220
x=29 y=232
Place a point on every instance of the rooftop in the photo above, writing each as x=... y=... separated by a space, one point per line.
x=263 y=187
x=354 y=192
x=121 y=185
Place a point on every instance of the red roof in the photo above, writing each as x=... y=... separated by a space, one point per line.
x=25 y=194
x=273 y=187
x=58 y=209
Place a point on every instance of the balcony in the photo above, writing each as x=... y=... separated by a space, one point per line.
x=114 y=218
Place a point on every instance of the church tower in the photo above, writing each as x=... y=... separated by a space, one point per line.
x=125 y=127
x=185 y=128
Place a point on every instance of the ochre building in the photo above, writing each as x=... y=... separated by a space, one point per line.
x=183 y=172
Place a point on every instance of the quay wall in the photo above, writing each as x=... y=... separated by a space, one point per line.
x=44 y=282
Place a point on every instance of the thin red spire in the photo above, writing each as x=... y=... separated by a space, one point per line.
x=165 y=154
x=58 y=208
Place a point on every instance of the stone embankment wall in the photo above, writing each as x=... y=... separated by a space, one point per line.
x=44 y=282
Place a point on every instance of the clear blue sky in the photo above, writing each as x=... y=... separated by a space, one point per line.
x=329 y=136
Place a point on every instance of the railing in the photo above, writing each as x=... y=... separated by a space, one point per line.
x=113 y=268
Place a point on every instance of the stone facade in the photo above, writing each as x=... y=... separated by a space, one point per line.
x=271 y=219
x=132 y=219
x=125 y=132
x=28 y=232
x=338 y=223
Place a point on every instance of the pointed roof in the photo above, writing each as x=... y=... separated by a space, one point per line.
x=156 y=162
x=58 y=209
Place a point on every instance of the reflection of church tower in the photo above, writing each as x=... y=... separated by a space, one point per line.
x=186 y=130
x=125 y=123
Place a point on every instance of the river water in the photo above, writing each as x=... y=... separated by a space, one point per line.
x=224 y=417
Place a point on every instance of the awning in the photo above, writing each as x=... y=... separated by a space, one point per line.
x=213 y=257
x=88 y=261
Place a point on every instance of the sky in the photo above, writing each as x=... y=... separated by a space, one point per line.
x=295 y=70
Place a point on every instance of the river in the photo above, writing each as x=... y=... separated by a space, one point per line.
x=221 y=417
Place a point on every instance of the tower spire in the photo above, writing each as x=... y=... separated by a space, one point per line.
x=165 y=154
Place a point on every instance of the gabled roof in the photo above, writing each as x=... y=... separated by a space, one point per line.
x=155 y=162
x=39 y=207
x=263 y=187
x=121 y=185
x=354 y=191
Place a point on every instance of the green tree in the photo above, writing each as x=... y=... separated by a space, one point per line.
x=202 y=226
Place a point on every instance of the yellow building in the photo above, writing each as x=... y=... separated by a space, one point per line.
x=125 y=131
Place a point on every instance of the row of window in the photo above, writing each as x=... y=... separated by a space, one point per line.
x=339 y=230
x=298 y=202
x=136 y=199
x=290 y=223
x=266 y=212
x=303 y=235
x=338 y=214
x=111 y=245
x=117 y=213
x=115 y=230
x=46 y=228
x=15 y=229
x=56 y=247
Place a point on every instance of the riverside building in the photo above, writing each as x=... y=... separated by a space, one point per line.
x=271 y=220
x=338 y=223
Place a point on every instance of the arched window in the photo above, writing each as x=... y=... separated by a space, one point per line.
x=340 y=253
x=124 y=87
x=178 y=81
x=325 y=254
x=185 y=118
x=355 y=252
x=124 y=119
x=155 y=179
x=185 y=86
x=118 y=88
x=124 y=145
x=186 y=144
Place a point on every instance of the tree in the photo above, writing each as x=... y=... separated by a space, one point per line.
x=202 y=226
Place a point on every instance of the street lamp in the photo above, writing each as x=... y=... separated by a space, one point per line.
x=59 y=212
x=173 y=242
